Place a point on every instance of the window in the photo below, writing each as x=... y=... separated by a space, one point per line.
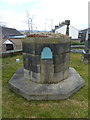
x=46 y=53
x=9 y=47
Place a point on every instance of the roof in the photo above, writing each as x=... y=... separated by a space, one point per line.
x=10 y=32
x=61 y=25
x=85 y=34
x=7 y=42
x=17 y=37
x=85 y=30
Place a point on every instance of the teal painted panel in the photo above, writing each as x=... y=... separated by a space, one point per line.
x=46 y=53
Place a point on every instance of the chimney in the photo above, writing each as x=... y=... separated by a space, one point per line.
x=67 y=22
x=56 y=26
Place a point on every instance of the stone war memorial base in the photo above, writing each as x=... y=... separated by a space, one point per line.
x=37 y=91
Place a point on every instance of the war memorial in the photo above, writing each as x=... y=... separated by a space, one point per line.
x=46 y=74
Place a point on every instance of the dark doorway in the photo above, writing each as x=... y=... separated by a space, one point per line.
x=9 y=47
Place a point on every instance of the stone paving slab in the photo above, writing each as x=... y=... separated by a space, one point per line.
x=76 y=51
x=35 y=91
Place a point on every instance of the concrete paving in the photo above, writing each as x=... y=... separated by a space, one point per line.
x=76 y=51
x=36 y=91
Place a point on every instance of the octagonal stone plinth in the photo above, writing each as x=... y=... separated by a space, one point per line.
x=46 y=74
x=36 y=91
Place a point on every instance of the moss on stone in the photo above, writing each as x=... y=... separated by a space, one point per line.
x=49 y=39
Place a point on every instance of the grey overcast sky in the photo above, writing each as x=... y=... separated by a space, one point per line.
x=45 y=14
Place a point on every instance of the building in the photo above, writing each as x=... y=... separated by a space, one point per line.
x=11 y=39
x=62 y=28
x=83 y=34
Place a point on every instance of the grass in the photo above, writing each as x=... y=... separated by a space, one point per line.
x=76 y=42
x=14 y=106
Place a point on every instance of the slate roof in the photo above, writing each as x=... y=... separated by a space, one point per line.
x=85 y=30
x=6 y=32
x=83 y=34
x=61 y=25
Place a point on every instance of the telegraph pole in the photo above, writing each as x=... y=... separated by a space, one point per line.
x=30 y=21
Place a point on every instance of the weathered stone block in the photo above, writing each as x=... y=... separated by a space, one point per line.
x=58 y=76
x=38 y=48
x=54 y=50
x=67 y=57
x=67 y=48
x=35 y=77
x=47 y=71
x=64 y=55
x=25 y=62
x=35 y=68
x=28 y=48
x=60 y=49
x=58 y=68
x=66 y=65
x=58 y=59
x=26 y=74
x=66 y=73
x=34 y=59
